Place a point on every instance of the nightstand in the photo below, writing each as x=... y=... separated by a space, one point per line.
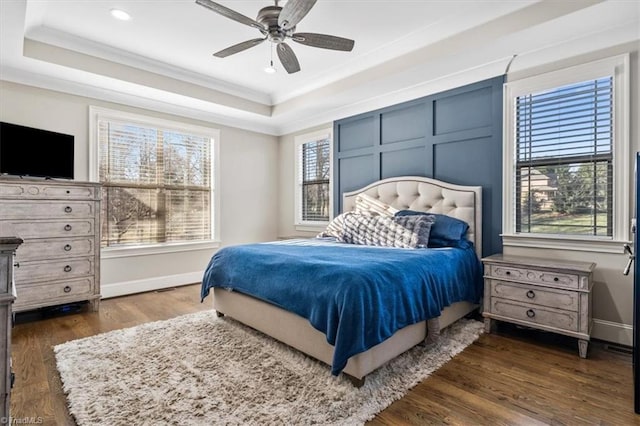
x=551 y=295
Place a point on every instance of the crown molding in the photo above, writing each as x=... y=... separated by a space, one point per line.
x=170 y=104
x=68 y=41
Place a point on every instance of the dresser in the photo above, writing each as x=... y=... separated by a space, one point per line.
x=8 y=246
x=59 y=222
x=546 y=294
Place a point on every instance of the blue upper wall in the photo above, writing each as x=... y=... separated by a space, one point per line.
x=454 y=136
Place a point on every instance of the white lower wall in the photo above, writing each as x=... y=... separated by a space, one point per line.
x=248 y=184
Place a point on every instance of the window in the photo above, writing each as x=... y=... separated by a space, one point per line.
x=313 y=189
x=157 y=177
x=566 y=153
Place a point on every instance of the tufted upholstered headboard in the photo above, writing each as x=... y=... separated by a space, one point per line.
x=428 y=195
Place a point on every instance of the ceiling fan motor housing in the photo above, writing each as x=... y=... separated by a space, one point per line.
x=268 y=16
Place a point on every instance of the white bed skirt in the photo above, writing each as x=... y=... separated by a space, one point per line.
x=296 y=331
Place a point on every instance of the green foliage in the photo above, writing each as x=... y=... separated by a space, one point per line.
x=580 y=188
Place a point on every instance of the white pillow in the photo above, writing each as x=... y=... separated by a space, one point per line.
x=366 y=204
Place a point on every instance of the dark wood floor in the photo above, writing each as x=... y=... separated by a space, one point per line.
x=514 y=377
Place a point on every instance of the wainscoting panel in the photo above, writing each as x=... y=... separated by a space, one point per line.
x=455 y=136
x=356 y=172
x=357 y=133
x=465 y=161
x=409 y=162
x=464 y=111
x=403 y=124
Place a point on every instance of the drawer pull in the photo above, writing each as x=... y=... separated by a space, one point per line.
x=16 y=265
x=67 y=289
x=68 y=209
x=531 y=313
x=531 y=294
x=67 y=227
x=508 y=273
x=556 y=279
x=67 y=247
x=67 y=268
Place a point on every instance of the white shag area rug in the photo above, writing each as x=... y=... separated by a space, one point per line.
x=198 y=369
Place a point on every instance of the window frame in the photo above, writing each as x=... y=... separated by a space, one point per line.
x=618 y=68
x=299 y=223
x=99 y=113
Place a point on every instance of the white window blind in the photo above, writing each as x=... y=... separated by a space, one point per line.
x=313 y=165
x=315 y=181
x=157 y=184
x=564 y=160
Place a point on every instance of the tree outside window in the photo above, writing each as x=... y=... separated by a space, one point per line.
x=157 y=184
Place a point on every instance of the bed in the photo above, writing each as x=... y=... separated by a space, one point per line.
x=293 y=324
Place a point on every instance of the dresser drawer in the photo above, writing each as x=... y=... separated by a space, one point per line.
x=28 y=229
x=559 y=299
x=62 y=269
x=535 y=276
x=48 y=191
x=17 y=209
x=72 y=289
x=535 y=314
x=56 y=248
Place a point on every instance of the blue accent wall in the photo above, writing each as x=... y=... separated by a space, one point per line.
x=454 y=136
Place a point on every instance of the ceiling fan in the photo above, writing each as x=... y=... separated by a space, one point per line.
x=276 y=25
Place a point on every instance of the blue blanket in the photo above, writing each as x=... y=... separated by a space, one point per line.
x=358 y=296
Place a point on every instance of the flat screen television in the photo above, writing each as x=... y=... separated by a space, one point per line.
x=25 y=151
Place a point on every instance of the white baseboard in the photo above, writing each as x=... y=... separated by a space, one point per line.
x=614 y=332
x=149 y=284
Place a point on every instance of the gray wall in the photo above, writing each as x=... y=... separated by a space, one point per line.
x=248 y=184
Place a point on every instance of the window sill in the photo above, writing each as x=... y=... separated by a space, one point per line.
x=598 y=245
x=316 y=227
x=129 y=251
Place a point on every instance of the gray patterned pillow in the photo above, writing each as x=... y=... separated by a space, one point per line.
x=334 y=229
x=400 y=231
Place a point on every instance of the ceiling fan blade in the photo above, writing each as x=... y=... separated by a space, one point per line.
x=324 y=41
x=293 y=12
x=288 y=58
x=236 y=48
x=231 y=14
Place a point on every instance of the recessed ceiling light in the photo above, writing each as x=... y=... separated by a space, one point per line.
x=120 y=14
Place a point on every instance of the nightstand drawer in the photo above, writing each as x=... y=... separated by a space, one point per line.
x=535 y=314
x=534 y=276
x=530 y=294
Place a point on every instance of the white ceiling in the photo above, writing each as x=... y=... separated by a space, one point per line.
x=162 y=57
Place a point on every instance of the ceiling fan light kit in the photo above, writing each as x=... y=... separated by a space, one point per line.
x=120 y=14
x=277 y=24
